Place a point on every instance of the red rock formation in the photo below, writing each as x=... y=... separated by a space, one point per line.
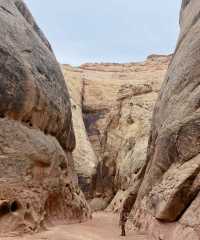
x=37 y=185
x=168 y=199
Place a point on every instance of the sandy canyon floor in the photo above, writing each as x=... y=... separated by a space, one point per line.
x=103 y=226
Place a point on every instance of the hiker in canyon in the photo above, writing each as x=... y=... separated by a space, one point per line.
x=123 y=219
x=125 y=212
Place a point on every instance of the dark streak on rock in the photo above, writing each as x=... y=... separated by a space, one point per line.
x=6 y=10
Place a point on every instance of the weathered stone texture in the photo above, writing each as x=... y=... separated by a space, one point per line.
x=85 y=160
x=117 y=101
x=38 y=185
x=32 y=86
x=169 y=191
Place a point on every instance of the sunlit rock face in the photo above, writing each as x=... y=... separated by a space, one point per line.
x=37 y=184
x=115 y=103
x=85 y=159
x=168 y=200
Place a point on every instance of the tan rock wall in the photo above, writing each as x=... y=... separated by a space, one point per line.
x=38 y=185
x=117 y=101
x=85 y=160
x=168 y=198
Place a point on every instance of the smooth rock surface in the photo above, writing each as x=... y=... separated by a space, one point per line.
x=85 y=159
x=168 y=198
x=38 y=185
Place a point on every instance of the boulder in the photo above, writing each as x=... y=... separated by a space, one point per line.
x=98 y=204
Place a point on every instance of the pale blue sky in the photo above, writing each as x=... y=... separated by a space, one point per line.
x=107 y=30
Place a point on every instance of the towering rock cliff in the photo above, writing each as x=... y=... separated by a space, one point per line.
x=116 y=101
x=168 y=201
x=85 y=159
x=37 y=184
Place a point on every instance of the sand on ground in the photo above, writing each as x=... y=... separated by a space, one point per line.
x=102 y=226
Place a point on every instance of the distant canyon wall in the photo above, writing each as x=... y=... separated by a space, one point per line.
x=115 y=103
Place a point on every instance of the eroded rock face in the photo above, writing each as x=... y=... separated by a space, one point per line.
x=169 y=191
x=117 y=102
x=85 y=159
x=36 y=134
x=32 y=90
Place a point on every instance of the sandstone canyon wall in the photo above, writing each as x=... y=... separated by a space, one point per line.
x=167 y=205
x=85 y=159
x=37 y=184
x=115 y=103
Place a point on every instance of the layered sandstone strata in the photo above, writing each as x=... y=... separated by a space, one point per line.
x=37 y=184
x=116 y=101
